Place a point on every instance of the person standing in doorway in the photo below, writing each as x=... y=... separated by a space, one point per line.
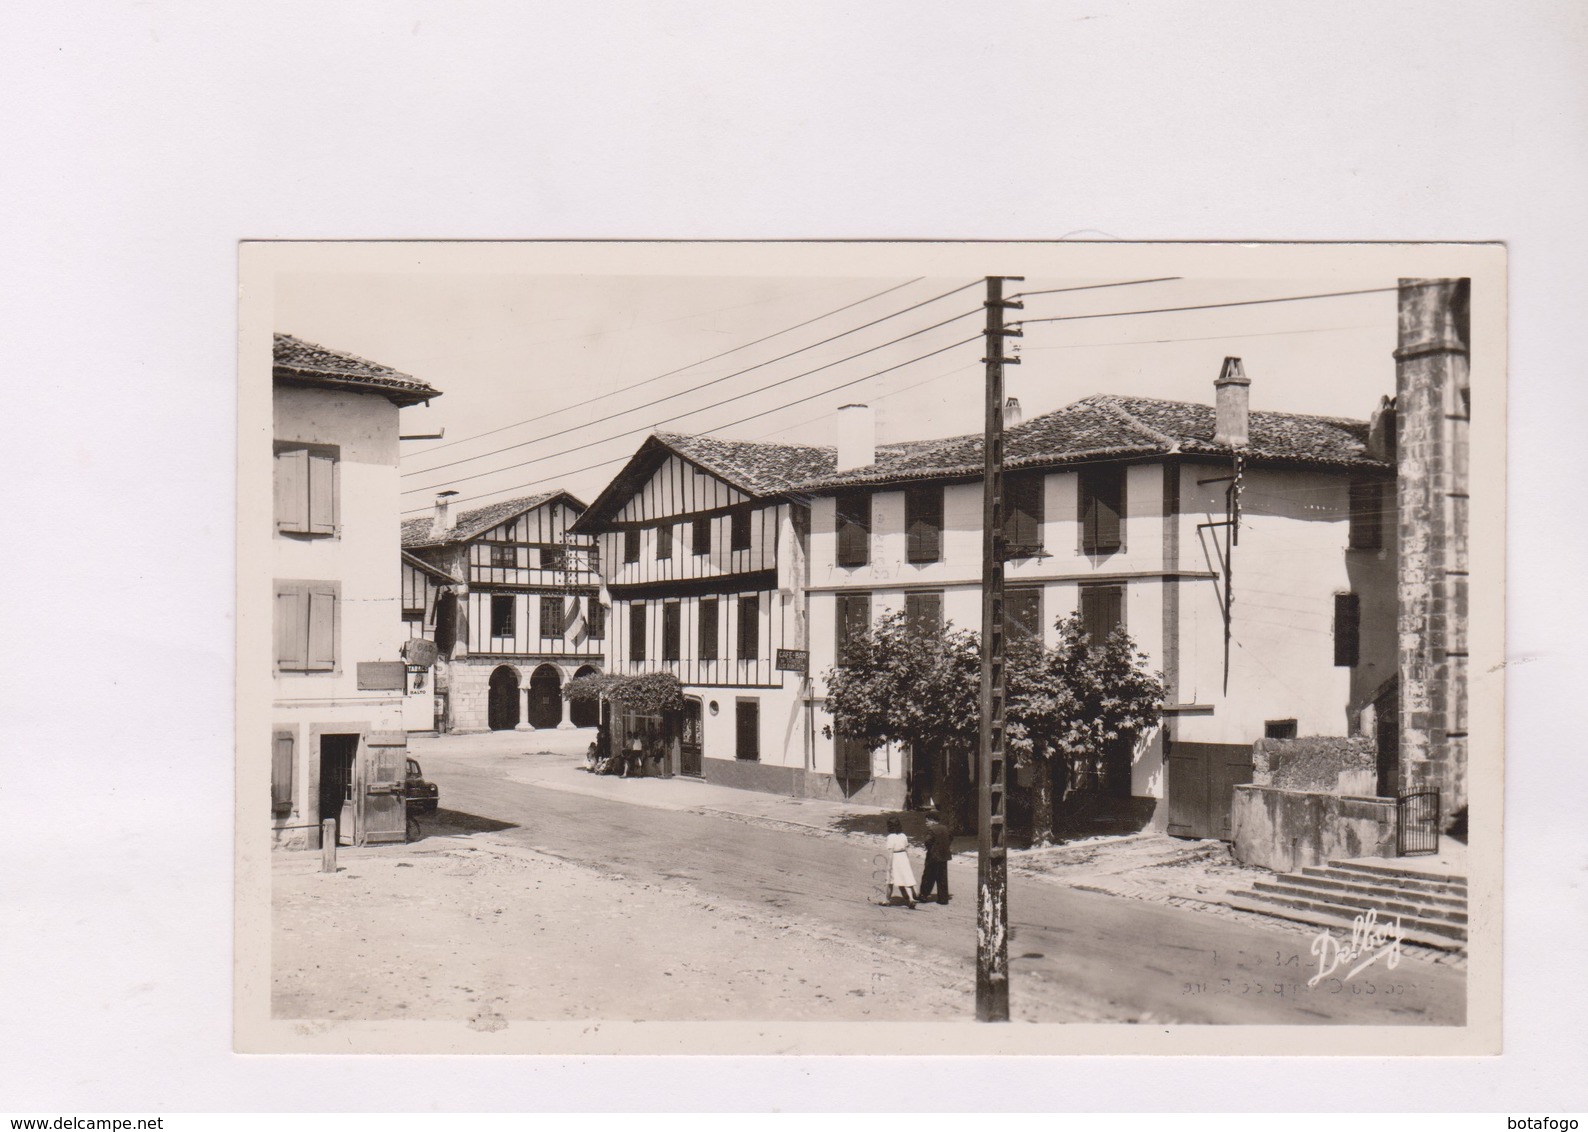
x=939 y=848
x=900 y=875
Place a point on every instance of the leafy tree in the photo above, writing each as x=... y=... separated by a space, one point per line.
x=648 y=693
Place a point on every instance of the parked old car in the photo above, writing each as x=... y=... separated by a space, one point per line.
x=421 y=797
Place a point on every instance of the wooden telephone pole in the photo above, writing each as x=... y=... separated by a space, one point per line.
x=992 y=777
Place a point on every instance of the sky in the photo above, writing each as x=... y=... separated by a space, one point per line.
x=552 y=381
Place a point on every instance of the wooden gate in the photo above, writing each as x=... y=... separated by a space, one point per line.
x=502 y=701
x=545 y=697
x=1202 y=780
x=383 y=816
x=852 y=764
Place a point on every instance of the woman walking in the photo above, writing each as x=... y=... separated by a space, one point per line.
x=900 y=875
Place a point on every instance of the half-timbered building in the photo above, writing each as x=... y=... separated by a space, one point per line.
x=702 y=549
x=1249 y=554
x=339 y=737
x=511 y=597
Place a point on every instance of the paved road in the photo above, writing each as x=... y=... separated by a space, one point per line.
x=1073 y=955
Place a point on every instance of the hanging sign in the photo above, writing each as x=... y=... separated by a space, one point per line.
x=793 y=660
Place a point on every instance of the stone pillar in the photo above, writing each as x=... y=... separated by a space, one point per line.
x=1433 y=413
x=529 y=701
x=565 y=724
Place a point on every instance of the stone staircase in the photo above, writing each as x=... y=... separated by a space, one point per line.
x=1431 y=902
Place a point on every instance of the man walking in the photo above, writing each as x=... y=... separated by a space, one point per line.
x=939 y=848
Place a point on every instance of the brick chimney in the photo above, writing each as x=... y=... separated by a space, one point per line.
x=857 y=437
x=1012 y=414
x=1232 y=405
x=441 y=523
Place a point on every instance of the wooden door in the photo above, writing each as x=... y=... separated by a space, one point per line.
x=502 y=705
x=691 y=750
x=545 y=697
x=383 y=811
x=1201 y=782
x=852 y=759
x=337 y=754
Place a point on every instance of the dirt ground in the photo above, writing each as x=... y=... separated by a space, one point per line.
x=487 y=933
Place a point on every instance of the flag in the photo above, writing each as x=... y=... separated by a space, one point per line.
x=573 y=622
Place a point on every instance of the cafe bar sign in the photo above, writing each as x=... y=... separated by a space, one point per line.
x=793 y=660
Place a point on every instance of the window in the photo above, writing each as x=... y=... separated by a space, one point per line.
x=747 y=729
x=664 y=542
x=1023 y=615
x=1102 y=611
x=631 y=545
x=1347 y=630
x=672 y=621
x=923 y=613
x=596 y=620
x=637 y=631
x=502 y=613
x=282 y=758
x=1279 y=729
x=553 y=558
x=553 y=617
x=503 y=557
x=923 y=523
x=749 y=627
x=854 y=618
x=740 y=533
x=306 y=490
x=1023 y=514
x=1101 y=506
x=1367 y=506
x=708 y=628
x=854 y=529
x=307 y=626
x=700 y=534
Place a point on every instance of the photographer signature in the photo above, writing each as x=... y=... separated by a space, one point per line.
x=1371 y=940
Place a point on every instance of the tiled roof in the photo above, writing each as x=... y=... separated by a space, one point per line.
x=755 y=467
x=469 y=524
x=304 y=363
x=1112 y=426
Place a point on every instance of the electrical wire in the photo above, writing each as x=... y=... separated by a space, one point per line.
x=1211 y=306
x=669 y=373
x=1095 y=287
x=717 y=381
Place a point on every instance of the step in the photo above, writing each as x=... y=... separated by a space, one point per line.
x=1361 y=903
x=1401 y=873
x=1341 y=924
x=1348 y=913
x=1453 y=890
x=1441 y=897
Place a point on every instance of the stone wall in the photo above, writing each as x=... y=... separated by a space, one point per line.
x=1286 y=830
x=1325 y=764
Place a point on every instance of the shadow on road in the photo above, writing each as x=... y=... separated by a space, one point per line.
x=451 y=823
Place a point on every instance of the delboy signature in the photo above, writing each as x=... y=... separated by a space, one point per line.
x=1371 y=940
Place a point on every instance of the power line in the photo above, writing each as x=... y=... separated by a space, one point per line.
x=716 y=428
x=1095 y=287
x=1212 y=306
x=671 y=372
x=1207 y=338
x=714 y=381
x=677 y=416
x=884 y=397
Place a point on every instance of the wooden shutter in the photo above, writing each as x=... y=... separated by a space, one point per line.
x=854 y=618
x=747 y=725
x=708 y=628
x=740 y=532
x=322 y=493
x=1366 y=505
x=597 y=624
x=749 y=627
x=292 y=490
x=1102 y=609
x=854 y=529
x=1102 y=504
x=322 y=627
x=672 y=621
x=923 y=522
x=1347 y=629
x=631 y=545
x=700 y=535
x=924 y=613
x=1023 y=614
x=282 y=758
x=664 y=541
x=1023 y=514
x=637 y=631
x=292 y=649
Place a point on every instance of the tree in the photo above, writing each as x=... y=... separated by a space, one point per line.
x=1072 y=705
x=1068 y=706
x=649 y=693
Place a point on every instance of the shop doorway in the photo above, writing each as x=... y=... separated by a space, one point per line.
x=502 y=707
x=691 y=749
x=584 y=713
x=337 y=753
x=545 y=697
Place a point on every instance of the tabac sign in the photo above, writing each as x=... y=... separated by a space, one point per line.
x=793 y=660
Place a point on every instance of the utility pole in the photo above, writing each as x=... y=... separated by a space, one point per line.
x=992 y=777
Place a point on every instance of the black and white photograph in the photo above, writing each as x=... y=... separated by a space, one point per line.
x=651 y=647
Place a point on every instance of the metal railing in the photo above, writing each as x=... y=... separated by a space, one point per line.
x=1417 y=823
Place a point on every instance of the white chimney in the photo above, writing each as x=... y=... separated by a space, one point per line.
x=441 y=524
x=1232 y=404
x=1012 y=414
x=857 y=437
